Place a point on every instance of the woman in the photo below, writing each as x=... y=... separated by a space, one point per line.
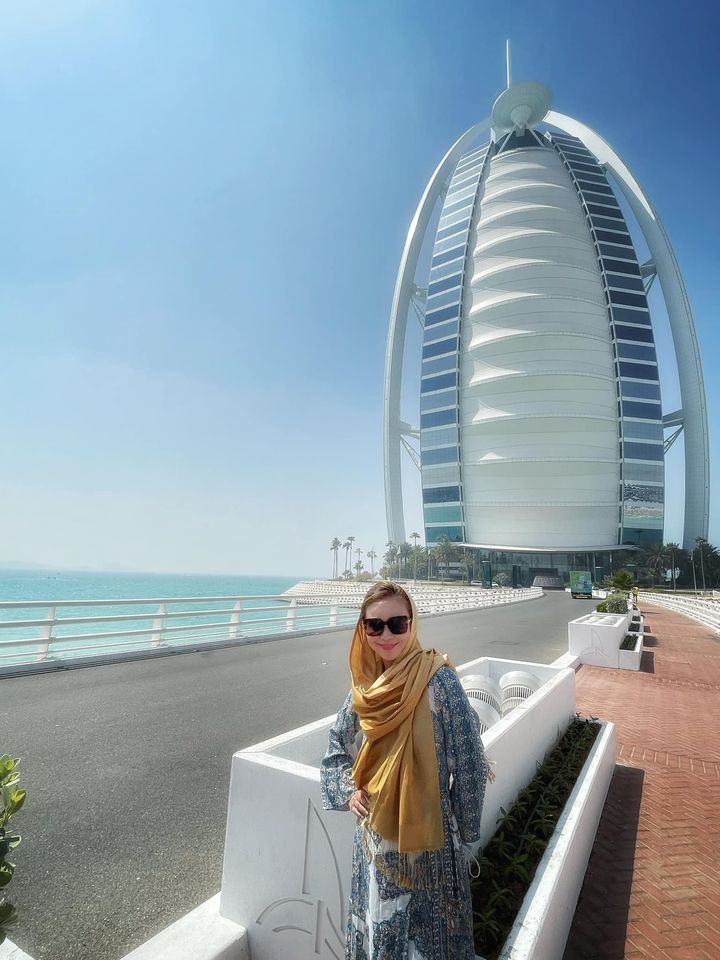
x=416 y=786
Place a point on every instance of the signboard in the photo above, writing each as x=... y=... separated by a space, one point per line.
x=580 y=583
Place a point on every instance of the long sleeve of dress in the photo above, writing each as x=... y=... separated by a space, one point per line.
x=337 y=784
x=465 y=755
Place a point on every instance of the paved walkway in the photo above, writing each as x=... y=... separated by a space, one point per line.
x=652 y=888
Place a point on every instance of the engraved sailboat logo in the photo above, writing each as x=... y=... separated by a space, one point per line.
x=325 y=928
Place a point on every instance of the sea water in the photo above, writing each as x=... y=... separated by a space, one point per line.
x=48 y=586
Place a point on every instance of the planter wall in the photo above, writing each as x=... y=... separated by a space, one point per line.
x=596 y=637
x=545 y=917
x=630 y=659
x=286 y=873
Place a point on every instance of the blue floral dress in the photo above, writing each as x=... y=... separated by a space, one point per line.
x=434 y=920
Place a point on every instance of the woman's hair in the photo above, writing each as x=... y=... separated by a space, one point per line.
x=381 y=591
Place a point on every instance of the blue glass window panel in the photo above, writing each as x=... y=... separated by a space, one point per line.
x=643 y=451
x=456 y=197
x=452 y=219
x=439 y=383
x=471 y=161
x=576 y=151
x=442 y=245
x=583 y=166
x=441 y=364
x=439 y=437
x=628 y=283
x=625 y=315
x=598 y=210
x=642 y=431
x=608 y=223
x=622 y=266
x=645 y=390
x=620 y=238
x=455 y=207
x=444 y=299
x=442 y=346
x=442 y=330
x=591 y=176
x=433 y=534
x=612 y=250
x=643 y=493
x=441 y=495
x=640 y=371
x=448 y=255
x=631 y=299
x=439 y=316
x=454 y=268
x=446 y=284
x=587 y=187
x=438 y=419
x=436 y=401
x=649 y=472
x=448 y=455
x=635 y=351
x=456 y=228
x=647 y=411
x=443 y=514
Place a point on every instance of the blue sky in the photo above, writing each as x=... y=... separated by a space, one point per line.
x=204 y=208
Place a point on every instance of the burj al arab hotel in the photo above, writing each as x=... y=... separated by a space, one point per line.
x=541 y=427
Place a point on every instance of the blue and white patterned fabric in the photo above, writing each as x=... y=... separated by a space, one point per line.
x=434 y=920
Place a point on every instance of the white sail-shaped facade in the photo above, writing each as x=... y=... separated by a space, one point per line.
x=538 y=398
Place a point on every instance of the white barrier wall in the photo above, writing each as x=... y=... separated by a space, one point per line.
x=596 y=637
x=286 y=874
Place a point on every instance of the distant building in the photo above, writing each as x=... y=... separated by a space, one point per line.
x=541 y=426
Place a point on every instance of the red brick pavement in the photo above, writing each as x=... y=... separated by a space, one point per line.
x=652 y=887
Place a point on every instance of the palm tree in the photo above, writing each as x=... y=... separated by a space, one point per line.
x=656 y=559
x=701 y=541
x=415 y=537
x=347 y=546
x=391 y=556
x=373 y=556
x=404 y=552
x=358 y=554
x=358 y=567
x=335 y=546
x=674 y=549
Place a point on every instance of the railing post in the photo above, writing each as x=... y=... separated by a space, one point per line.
x=234 y=633
x=333 y=615
x=290 y=623
x=47 y=634
x=157 y=627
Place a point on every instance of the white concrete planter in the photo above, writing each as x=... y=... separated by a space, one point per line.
x=596 y=637
x=630 y=659
x=543 y=922
x=287 y=867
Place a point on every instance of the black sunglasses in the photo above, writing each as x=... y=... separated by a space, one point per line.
x=374 y=626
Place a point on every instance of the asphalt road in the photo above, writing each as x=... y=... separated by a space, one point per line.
x=127 y=767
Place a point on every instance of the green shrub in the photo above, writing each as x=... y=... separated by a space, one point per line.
x=12 y=800
x=602 y=607
x=629 y=641
x=617 y=603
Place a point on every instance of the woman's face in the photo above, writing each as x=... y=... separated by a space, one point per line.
x=388 y=646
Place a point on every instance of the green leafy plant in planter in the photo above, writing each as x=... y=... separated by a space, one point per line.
x=617 y=603
x=602 y=607
x=12 y=800
x=629 y=641
x=508 y=862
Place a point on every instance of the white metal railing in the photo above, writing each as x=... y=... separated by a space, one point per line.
x=44 y=630
x=705 y=611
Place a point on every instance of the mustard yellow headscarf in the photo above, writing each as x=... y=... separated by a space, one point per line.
x=397 y=763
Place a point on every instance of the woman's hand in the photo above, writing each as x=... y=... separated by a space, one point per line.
x=359 y=804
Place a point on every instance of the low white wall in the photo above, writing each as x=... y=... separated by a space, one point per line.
x=596 y=637
x=201 y=934
x=543 y=922
x=287 y=867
